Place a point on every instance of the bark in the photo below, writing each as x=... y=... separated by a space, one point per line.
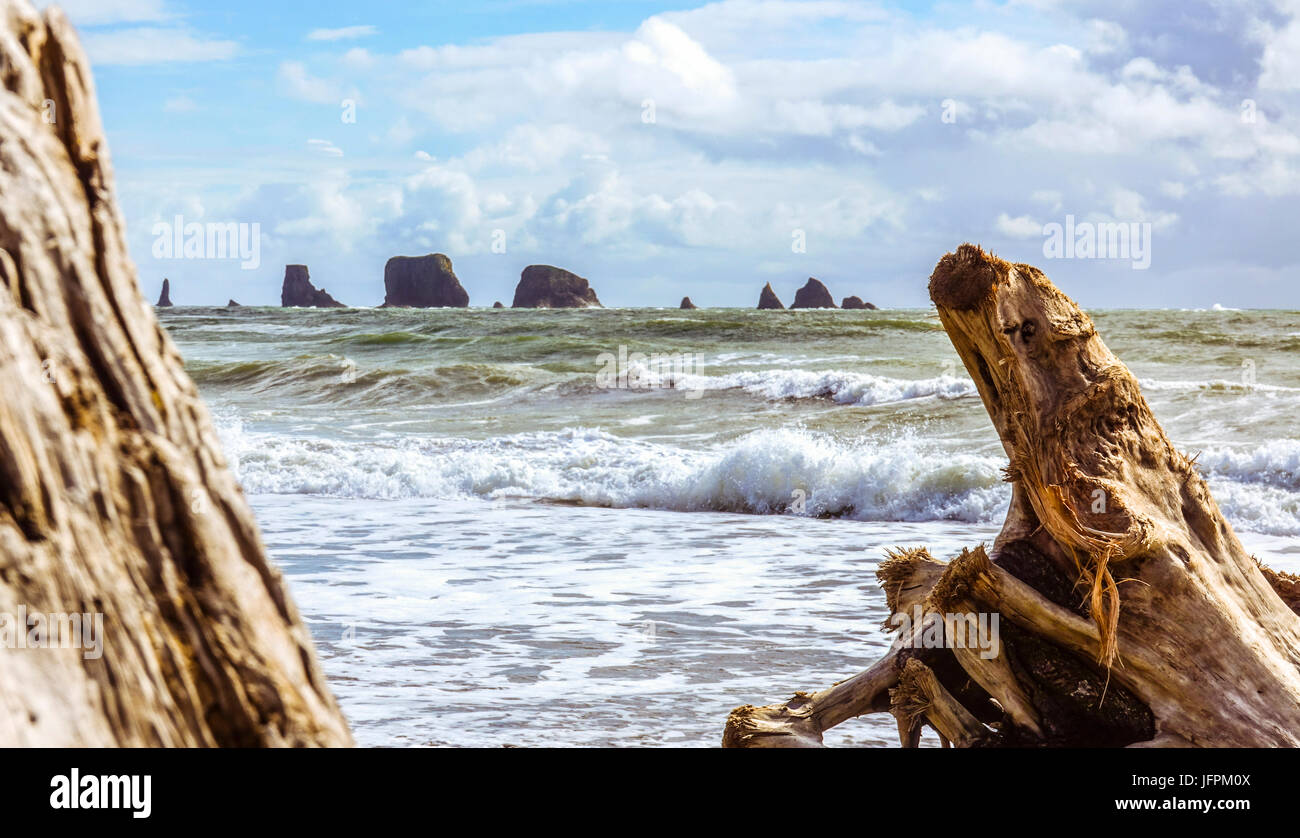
x=1130 y=614
x=114 y=495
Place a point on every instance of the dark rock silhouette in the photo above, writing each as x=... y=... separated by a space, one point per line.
x=165 y=298
x=545 y=286
x=813 y=295
x=768 y=299
x=233 y=304
x=497 y=304
x=856 y=303
x=298 y=290
x=686 y=303
x=423 y=282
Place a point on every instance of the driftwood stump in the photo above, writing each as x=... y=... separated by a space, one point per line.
x=1130 y=614
x=114 y=496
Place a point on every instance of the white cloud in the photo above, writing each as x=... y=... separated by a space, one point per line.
x=154 y=45
x=1128 y=205
x=180 y=104
x=358 y=58
x=300 y=84
x=771 y=116
x=1173 y=188
x=342 y=34
x=1280 y=62
x=325 y=147
x=1050 y=198
x=1020 y=227
x=1105 y=37
x=100 y=12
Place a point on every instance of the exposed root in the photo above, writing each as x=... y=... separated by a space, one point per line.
x=1202 y=646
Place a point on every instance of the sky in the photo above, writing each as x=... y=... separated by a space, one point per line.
x=672 y=149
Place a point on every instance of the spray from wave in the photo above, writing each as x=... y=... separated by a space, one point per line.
x=764 y=472
x=769 y=471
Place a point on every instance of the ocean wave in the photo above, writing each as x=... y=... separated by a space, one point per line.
x=1273 y=463
x=769 y=471
x=845 y=388
x=1215 y=385
x=341 y=380
x=1263 y=509
x=764 y=472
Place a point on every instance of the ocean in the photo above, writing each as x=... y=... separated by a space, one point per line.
x=609 y=527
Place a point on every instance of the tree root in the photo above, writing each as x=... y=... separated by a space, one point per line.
x=1122 y=609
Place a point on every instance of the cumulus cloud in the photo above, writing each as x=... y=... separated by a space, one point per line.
x=297 y=82
x=711 y=135
x=1020 y=227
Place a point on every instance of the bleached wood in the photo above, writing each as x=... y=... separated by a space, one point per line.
x=114 y=494
x=1136 y=586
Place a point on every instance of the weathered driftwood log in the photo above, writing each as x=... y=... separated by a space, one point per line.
x=1129 y=613
x=114 y=496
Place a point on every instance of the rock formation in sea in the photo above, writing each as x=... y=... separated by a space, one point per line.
x=497 y=304
x=422 y=282
x=233 y=304
x=119 y=515
x=813 y=295
x=686 y=303
x=767 y=298
x=545 y=286
x=165 y=298
x=299 y=292
x=856 y=303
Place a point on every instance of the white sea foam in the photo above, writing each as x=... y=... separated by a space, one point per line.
x=846 y=388
x=1213 y=385
x=767 y=471
x=1274 y=463
x=763 y=472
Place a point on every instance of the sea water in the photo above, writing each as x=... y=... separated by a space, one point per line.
x=495 y=544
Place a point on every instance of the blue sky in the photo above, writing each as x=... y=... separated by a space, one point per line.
x=665 y=149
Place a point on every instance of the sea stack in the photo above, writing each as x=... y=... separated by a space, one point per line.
x=165 y=298
x=813 y=295
x=299 y=292
x=686 y=303
x=233 y=304
x=856 y=303
x=422 y=282
x=767 y=298
x=545 y=286
x=497 y=304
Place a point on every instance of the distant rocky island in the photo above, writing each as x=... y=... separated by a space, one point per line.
x=430 y=282
x=423 y=282
x=546 y=286
x=767 y=298
x=813 y=295
x=298 y=292
x=856 y=303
